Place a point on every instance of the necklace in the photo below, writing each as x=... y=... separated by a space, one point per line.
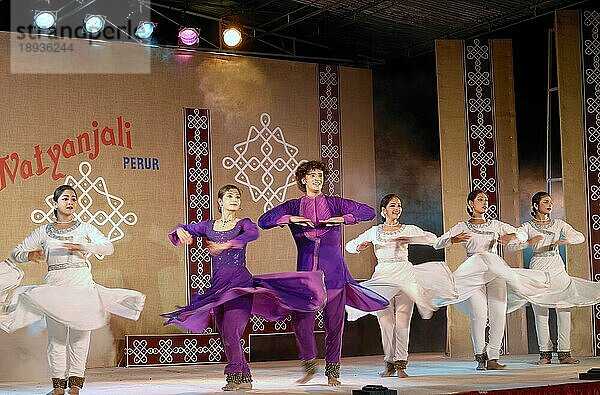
x=541 y=221
x=64 y=222
x=226 y=221
x=394 y=223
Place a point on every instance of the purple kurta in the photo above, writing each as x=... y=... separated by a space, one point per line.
x=321 y=249
x=234 y=293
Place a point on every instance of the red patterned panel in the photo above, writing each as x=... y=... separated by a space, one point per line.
x=590 y=33
x=150 y=350
x=329 y=127
x=198 y=193
x=480 y=121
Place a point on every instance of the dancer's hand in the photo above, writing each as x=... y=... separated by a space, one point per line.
x=333 y=221
x=72 y=246
x=302 y=221
x=215 y=249
x=460 y=238
x=535 y=239
x=559 y=242
x=36 y=256
x=507 y=238
x=363 y=246
x=184 y=236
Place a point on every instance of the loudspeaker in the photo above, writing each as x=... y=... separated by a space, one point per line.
x=592 y=374
x=374 y=390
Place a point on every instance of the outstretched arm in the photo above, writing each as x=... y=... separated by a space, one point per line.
x=249 y=233
x=277 y=216
x=197 y=230
x=32 y=244
x=353 y=212
x=361 y=242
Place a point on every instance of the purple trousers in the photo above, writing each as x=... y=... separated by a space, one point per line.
x=231 y=318
x=333 y=321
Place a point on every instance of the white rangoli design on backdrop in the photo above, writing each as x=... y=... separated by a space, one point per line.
x=109 y=218
x=265 y=163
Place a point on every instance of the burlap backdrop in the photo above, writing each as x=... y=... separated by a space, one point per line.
x=43 y=110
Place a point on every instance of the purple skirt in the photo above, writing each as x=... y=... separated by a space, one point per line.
x=274 y=296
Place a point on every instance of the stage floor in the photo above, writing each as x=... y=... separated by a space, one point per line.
x=430 y=374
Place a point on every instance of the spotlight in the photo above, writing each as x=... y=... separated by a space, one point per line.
x=145 y=30
x=232 y=37
x=93 y=23
x=44 y=20
x=189 y=36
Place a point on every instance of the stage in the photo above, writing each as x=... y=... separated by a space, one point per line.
x=430 y=374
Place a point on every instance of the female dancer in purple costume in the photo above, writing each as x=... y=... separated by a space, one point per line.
x=234 y=293
x=545 y=235
x=314 y=221
x=481 y=280
x=69 y=300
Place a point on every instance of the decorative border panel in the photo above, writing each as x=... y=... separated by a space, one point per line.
x=198 y=194
x=329 y=127
x=590 y=38
x=481 y=136
x=481 y=133
x=153 y=350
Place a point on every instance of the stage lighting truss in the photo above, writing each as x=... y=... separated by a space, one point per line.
x=93 y=24
x=189 y=36
x=145 y=29
x=232 y=36
x=44 y=20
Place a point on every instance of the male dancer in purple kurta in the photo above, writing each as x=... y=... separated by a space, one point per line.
x=314 y=221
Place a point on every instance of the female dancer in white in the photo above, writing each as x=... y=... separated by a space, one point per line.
x=397 y=280
x=481 y=281
x=545 y=235
x=69 y=300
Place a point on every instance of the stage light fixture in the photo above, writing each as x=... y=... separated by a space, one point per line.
x=145 y=29
x=44 y=20
x=93 y=23
x=189 y=36
x=232 y=37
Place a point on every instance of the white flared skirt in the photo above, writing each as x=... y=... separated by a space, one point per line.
x=68 y=296
x=479 y=269
x=564 y=291
x=427 y=285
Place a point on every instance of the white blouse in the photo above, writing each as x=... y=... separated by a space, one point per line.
x=551 y=233
x=58 y=257
x=387 y=248
x=484 y=237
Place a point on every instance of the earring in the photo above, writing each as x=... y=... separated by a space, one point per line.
x=383 y=214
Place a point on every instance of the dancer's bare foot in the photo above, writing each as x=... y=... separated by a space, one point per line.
x=246 y=386
x=493 y=364
x=231 y=386
x=570 y=361
x=402 y=373
x=74 y=391
x=333 y=382
x=389 y=370
x=306 y=378
x=56 y=391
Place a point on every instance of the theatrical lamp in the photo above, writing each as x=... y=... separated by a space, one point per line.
x=93 y=23
x=145 y=29
x=232 y=37
x=189 y=36
x=44 y=20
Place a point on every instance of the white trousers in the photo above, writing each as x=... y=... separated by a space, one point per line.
x=488 y=303
x=542 y=327
x=67 y=350
x=394 y=322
